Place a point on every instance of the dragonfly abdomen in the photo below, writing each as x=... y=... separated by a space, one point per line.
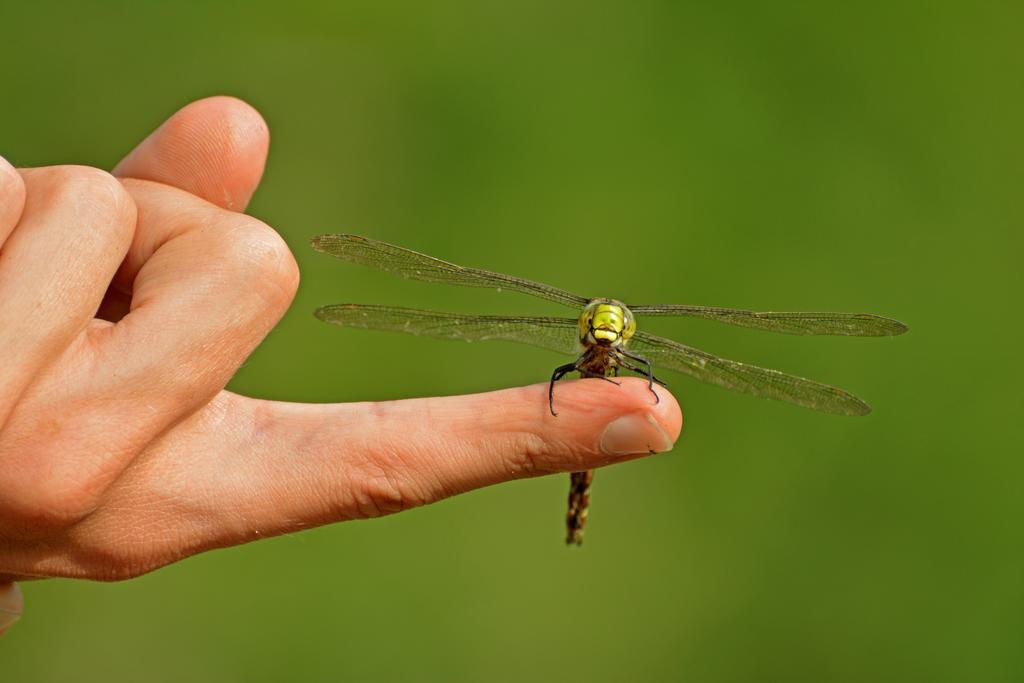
x=596 y=360
x=579 y=501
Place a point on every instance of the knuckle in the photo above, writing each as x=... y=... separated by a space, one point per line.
x=253 y=247
x=93 y=186
x=374 y=490
x=95 y=192
x=528 y=455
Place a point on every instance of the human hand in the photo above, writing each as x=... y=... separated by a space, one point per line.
x=120 y=452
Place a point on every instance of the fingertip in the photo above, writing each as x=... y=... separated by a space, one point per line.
x=669 y=413
x=215 y=148
x=623 y=420
x=246 y=133
x=229 y=105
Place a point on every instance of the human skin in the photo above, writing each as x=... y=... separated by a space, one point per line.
x=127 y=302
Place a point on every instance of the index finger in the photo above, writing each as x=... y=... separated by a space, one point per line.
x=270 y=467
x=242 y=469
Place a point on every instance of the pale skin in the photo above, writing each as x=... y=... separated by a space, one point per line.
x=129 y=299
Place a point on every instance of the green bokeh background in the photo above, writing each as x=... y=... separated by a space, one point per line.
x=791 y=155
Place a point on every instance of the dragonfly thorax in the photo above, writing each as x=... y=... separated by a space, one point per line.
x=606 y=322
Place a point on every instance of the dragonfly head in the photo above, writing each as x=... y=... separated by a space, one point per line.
x=606 y=322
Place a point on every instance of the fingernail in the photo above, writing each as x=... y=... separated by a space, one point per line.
x=636 y=433
x=11 y=604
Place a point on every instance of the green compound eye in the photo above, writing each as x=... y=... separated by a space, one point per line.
x=607 y=322
x=630 y=326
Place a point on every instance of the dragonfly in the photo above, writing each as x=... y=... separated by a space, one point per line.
x=603 y=336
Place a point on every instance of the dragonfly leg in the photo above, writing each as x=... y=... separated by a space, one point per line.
x=597 y=375
x=560 y=372
x=647 y=371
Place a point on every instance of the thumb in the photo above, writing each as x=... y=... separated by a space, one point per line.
x=214 y=148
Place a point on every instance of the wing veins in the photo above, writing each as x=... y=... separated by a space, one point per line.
x=555 y=334
x=416 y=266
x=785 y=322
x=750 y=379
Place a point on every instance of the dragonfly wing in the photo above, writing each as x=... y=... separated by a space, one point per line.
x=416 y=266
x=807 y=323
x=749 y=379
x=555 y=334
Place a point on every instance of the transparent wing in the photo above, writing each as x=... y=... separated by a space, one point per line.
x=749 y=379
x=847 y=324
x=555 y=334
x=416 y=266
x=559 y=334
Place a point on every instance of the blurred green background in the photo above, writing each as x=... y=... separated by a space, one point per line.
x=789 y=155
